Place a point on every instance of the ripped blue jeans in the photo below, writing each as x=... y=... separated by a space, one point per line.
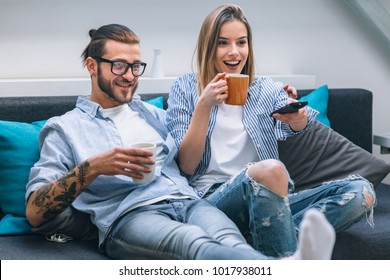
x=270 y=222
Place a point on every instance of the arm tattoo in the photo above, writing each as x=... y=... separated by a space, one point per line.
x=52 y=203
x=42 y=195
x=65 y=200
x=83 y=169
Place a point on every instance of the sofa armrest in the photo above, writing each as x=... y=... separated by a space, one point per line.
x=350 y=114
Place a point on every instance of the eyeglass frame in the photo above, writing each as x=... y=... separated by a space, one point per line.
x=128 y=65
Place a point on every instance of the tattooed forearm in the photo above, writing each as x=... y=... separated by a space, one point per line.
x=83 y=169
x=54 y=211
x=51 y=203
x=51 y=199
x=42 y=195
x=64 y=181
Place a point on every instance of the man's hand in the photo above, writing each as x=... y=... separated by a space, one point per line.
x=122 y=161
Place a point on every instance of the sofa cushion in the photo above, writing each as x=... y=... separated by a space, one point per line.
x=363 y=242
x=156 y=101
x=18 y=152
x=11 y=224
x=328 y=156
x=350 y=114
x=318 y=99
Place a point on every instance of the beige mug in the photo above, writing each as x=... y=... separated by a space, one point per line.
x=237 y=89
x=148 y=177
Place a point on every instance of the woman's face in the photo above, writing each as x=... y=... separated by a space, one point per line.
x=232 y=49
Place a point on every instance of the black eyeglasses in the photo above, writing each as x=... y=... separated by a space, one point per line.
x=120 y=68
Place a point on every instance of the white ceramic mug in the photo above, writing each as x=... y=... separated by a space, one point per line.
x=148 y=177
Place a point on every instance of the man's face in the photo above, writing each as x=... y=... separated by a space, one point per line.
x=112 y=90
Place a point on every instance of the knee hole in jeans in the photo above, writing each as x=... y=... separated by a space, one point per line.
x=272 y=174
x=368 y=198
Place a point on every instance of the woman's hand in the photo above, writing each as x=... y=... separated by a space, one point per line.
x=291 y=91
x=215 y=92
x=297 y=120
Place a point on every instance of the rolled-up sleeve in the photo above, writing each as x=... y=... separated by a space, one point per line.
x=55 y=159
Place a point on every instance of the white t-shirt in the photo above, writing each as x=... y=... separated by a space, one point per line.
x=140 y=131
x=231 y=147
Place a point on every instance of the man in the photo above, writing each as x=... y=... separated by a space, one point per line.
x=85 y=164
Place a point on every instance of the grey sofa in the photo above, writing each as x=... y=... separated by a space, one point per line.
x=350 y=112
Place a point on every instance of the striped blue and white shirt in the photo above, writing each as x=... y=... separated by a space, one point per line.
x=264 y=96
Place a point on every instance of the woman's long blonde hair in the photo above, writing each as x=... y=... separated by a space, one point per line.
x=208 y=42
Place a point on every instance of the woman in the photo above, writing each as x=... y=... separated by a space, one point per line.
x=229 y=153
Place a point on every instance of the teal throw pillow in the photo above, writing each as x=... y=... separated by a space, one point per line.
x=318 y=99
x=18 y=152
x=13 y=225
x=157 y=101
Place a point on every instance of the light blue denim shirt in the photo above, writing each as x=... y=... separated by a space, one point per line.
x=264 y=96
x=72 y=138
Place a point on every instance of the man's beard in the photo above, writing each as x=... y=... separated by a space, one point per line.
x=105 y=87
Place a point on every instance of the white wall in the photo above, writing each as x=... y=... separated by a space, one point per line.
x=325 y=38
